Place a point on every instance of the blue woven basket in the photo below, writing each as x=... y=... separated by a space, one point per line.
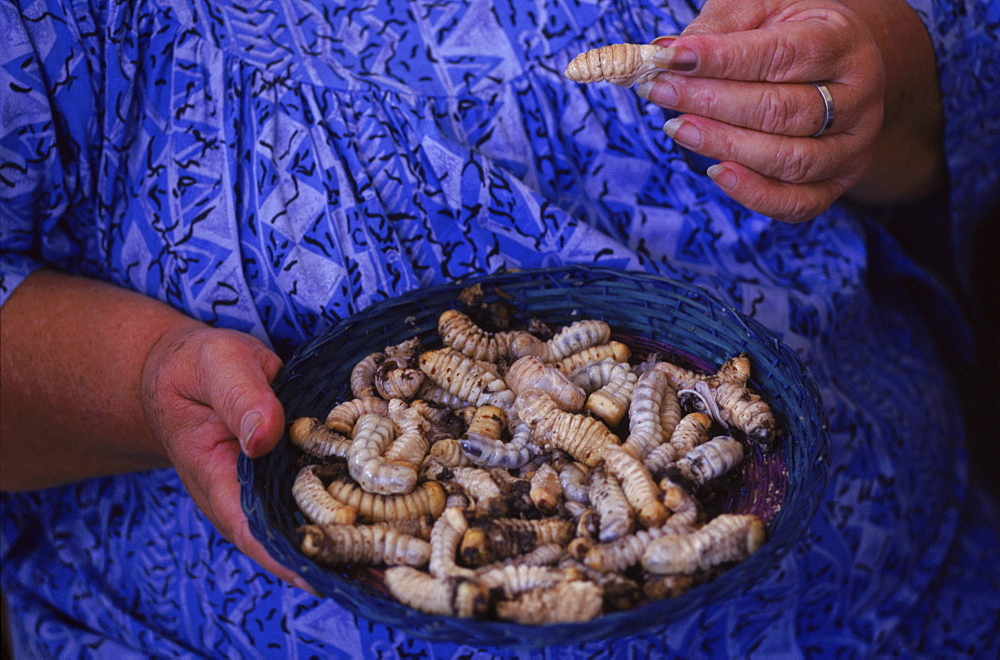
x=646 y=312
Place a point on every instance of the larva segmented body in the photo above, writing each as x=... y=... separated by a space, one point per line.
x=628 y=550
x=449 y=453
x=479 y=485
x=660 y=459
x=367 y=464
x=426 y=499
x=363 y=375
x=343 y=416
x=513 y=579
x=446 y=535
x=618 y=591
x=579 y=436
x=619 y=64
x=493 y=540
x=637 y=484
x=530 y=372
x=496 y=453
x=727 y=537
x=461 y=376
x=613 y=350
x=315 y=502
x=568 y=601
x=396 y=381
x=461 y=333
x=610 y=401
x=411 y=444
x=690 y=432
x=433 y=393
x=546 y=554
x=546 y=490
x=573 y=478
x=315 y=438
x=644 y=421
x=609 y=501
x=571 y=339
x=452 y=596
x=707 y=461
x=683 y=506
x=360 y=544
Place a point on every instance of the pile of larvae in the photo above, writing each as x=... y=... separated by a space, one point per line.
x=531 y=475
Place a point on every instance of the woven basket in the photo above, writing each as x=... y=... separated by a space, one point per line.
x=646 y=312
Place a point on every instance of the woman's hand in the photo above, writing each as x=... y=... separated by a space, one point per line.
x=206 y=394
x=741 y=74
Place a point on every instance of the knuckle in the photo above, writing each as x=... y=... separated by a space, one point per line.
x=775 y=109
x=794 y=163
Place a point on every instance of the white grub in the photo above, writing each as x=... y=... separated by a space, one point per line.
x=725 y=538
x=530 y=372
x=496 y=539
x=628 y=550
x=405 y=350
x=611 y=400
x=446 y=535
x=448 y=452
x=338 y=545
x=367 y=464
x=426 y=499
x=343 y=416
x=570 y=339
x=619 y=592
x=316 y=439
x=612 y=507
x=363 y=375
x=638 y=485
x=395 y=380
x=464 y=377
x=684 y=508
x=690 y=432
x=614 y=350
x=580 y=436
x=512 y=579
x=619 y=64
x=433 y=393
x=546 y=490
x=461 y=333
x=315 y=502
x=644 y=422
x=573 y=478
x=566 y=602
x=707 y=461
x=452 y=596
x=661 y=458
x=546 y=554
x=411 y=444
x=487 y=452
x=479 y=485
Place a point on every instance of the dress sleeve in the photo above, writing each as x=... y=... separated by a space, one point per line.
x=966 y=39
x=47 y=115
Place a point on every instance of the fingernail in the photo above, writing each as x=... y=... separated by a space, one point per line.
x=664 y=40
x=642 y=89
x=723 y=176
x=676 y=59
x=251 y=421
x=684 y=132
x=304 y=586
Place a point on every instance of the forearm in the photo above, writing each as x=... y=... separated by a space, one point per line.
x=909 y=154
x=72 y=352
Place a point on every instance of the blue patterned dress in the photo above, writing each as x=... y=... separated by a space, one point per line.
x=276 y=165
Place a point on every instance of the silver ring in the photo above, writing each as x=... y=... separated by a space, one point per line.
x=827 y=108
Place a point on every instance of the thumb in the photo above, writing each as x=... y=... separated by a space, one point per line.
x=236 y=385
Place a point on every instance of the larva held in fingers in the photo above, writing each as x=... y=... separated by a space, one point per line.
x=619 y=64
x=725 y=538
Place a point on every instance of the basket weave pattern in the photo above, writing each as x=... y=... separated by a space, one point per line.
x=646 y=312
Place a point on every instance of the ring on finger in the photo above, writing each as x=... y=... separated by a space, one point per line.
x=824 y=92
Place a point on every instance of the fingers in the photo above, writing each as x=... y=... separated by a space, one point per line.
x=792 y=109
x=776 y=199
x=815 y=47
x=235 y=383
